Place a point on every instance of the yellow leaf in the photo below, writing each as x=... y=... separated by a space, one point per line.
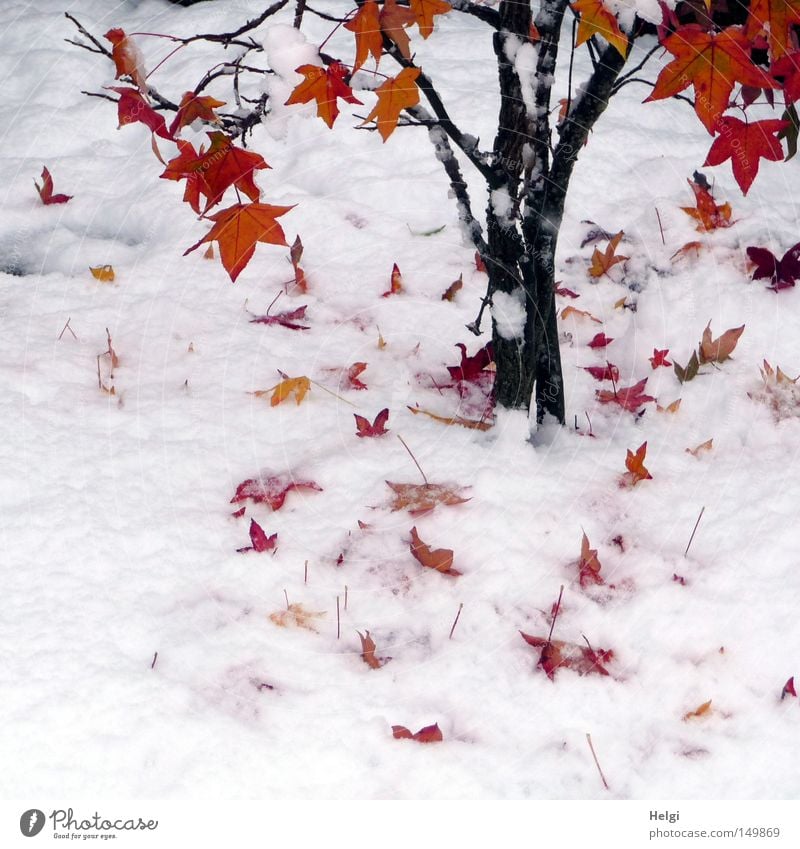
x=568 y=311
x=296 y=616
x=297 y=386
x=670 y=408
x=103 y=273
x=473 y=424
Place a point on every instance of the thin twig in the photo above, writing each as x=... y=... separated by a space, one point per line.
x=305 y=573
x=597 y=763
x=658 y=216
x=694 y=531
x=411 y=453
x=338 y=622
x=455 y=622
x=155 y=658
x=345 y=596
x=67 y=327
x=555 y=614
x=286 y=596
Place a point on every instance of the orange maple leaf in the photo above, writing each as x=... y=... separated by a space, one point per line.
x=424 y=11
x=712 y=63
x=297 y=386
x=394 y=20
x=366 y=24
x=324 y=85
x=589 y=564
x=708 y=213
x=568 y=311
x=596 y=18
x=603 y=262
x=637 y=470
x=775 y=19
x=238 y=228
x=128 y=61
x=193 y=107
x=419 y=498
x=440 y=559
x=394 y=95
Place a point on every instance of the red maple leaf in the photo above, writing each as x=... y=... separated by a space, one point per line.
x=783 y=273
x=659 y=358
x=600 y=341
x=215 y=170
x=788 y=689
x=428 y=734
x=630 y=398
x=271 y=489
x=377 y=428
x=260 y=541
x=46 y=190
x=557 y=654
x=471 y=368
x=351 y=377
x=589 y=564
x=787 y=71
x=132 y=107
x=607 y=372
x=193 y=107
x=745 y=144
x=286 y=319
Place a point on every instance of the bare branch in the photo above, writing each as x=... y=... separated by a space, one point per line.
x=483 y=13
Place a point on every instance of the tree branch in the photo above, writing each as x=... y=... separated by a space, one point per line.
x=483 y=13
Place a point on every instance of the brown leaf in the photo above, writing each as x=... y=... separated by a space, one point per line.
x=701 y=448
x=103 y=273
x=368 y=652
x=440 y=559
x=634 y=463
x=568 y=311
x=296 y=616
x=589 y=564
x=718 y=350
x=454 y=420
x=455 y=286
x=420 y=498
x=703 y=710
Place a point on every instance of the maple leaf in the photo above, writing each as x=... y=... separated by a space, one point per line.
x=259 y=540
x=286 y=319
x=634 y=463
x=368 y=648
x=684 y=375
x=46 y=190
x=718 y=350
x=394 y=95
x=377 y=428
x=708 y=214
x=568 y=311
x=424 y=12
x=103 y=273
x=630 y=398
x=366 y=25
x=449 y=293
x=324 y=85
x=701 y=448
x=472 y=424
x=428 y=734
x=566 y=293
x=296 y=616
x=480 y=265
x=419 y=498
x=394 y=20
x=440 y=559
x=712 y=63
x=787 y=71
x=606 y=372
x=557 y=654
x=701 y=711
x=659 y=358
x=589 y=564
x=600 y=340
x=127 y=58
x=603 y=262
x=395 y=283
x=238 y=228
x=132 y=107
x=271 y=489
x=195 y=107
x=215 y=170
x=746 y=144
x=776 y=19
x=788 y=689
x=782 y=273
x=471 y=368
x=351 y=377
x=297 y=386
x=670 y=408
x=596 y=18
x=295 y=255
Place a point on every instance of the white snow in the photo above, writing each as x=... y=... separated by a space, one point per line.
x=508 y=311
x=118 y=538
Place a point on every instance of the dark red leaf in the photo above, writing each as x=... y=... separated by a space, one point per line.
x=428 y=734
x=46 y=190
x=260 y=541
x=607 y=372
x=270 y=489
x=472 y=367
x=284 y=319
x=377 y=428
x=600 y=341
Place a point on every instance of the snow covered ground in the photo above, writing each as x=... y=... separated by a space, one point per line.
x=118 y=539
